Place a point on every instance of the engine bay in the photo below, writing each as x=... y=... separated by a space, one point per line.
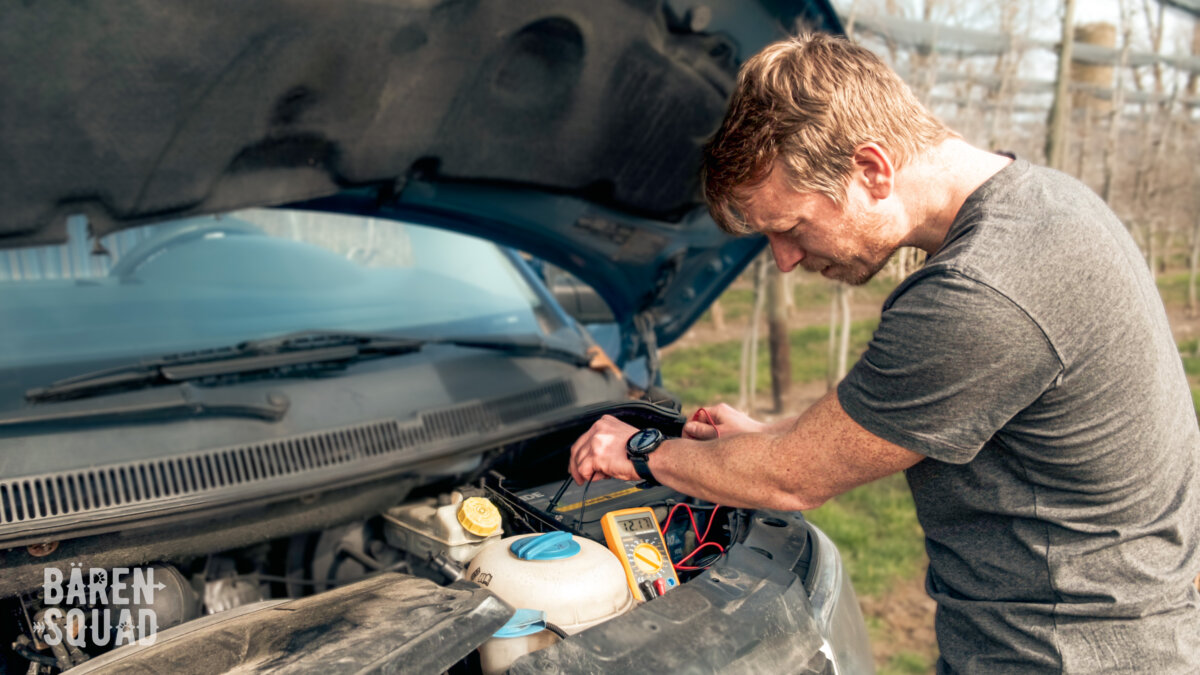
x=434 y=533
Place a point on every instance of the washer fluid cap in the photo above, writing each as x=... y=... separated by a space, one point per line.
x=524 y=622
x=479 y=516
x=549 y=546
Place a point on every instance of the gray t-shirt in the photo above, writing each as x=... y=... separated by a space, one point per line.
x=1031 y=362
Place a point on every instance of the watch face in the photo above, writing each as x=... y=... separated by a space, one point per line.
x=644 y=442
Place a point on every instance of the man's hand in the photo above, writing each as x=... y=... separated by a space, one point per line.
x=729 y=421
x=600 y=452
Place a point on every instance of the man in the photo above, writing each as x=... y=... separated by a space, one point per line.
x=1025 y=379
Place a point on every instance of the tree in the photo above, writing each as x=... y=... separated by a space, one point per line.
x=1060 y=110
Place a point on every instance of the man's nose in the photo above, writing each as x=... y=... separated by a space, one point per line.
x=787 y=254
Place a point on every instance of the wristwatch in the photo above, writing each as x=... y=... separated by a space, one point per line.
x=638 y=448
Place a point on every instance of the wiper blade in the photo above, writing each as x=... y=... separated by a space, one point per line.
x=281 y=354
x=183 y=399
x=514 y=348
x=294 y=353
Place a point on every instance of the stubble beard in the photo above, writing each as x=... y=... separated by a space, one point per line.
x=857 y=271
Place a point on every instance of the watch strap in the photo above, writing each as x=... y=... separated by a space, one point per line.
x=642 y=466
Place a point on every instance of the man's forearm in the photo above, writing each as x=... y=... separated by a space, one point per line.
x=753 y=470
x=794 y=465
x=782 y=426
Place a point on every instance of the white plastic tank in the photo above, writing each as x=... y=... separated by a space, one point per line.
x=577 y=582
x=460 y=527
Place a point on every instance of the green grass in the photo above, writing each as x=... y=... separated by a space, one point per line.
x=707 y=374
x=809 y=293
x=875 y=527
x=1173 y=288
x=737 y=303
x=907 y=663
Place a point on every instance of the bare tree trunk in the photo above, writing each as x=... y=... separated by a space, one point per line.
x=835 y=304
x=851 y=16
x=749 y=380
x=1154 y=186
x=1084 y=133
x=1155 y=26
x=718 y=316
x=1006 y=66
x=925 y=61
x=892 y=9
x=1115 y=115
x=844 y=347
x=918 y=259
x=1060 y=111
x=1193 y=266
x=1194 y=77
x=1152 y=236
x=1194 y=257
x=777 y=337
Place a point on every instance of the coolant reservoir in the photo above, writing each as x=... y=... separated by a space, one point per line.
x=577 y=582
x=459 y=528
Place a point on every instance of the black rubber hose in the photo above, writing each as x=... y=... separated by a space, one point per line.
x=30 y=655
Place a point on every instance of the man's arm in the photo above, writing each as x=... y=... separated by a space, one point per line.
x=823 y=454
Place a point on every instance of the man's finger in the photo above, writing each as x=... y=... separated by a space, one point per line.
x=700 y=431
x=579 y=458
x=577 y=448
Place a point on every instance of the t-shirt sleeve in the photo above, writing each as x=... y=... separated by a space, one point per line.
x=953 y=360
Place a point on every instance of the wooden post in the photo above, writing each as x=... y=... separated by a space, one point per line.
x=844 y=347
x=1094 y=75
x=777 y=336
x=835 y=304
x=718 y=316
x=749 y=375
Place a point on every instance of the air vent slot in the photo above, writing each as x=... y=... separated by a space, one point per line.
x=97 y=490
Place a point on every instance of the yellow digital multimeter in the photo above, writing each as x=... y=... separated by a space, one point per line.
x=633 y=535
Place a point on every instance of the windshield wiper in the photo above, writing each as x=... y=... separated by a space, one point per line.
x=161 y=403
x=292 y=354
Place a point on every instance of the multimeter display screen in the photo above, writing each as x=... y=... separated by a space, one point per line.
x=637 y=524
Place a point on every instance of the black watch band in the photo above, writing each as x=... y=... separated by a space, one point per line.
x=643 y=471
x=638 y=449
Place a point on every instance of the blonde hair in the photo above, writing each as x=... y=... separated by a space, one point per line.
x=809 y=102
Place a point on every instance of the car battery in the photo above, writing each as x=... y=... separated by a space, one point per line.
x=580 y=508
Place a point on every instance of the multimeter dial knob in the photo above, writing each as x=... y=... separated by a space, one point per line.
x=647 y=558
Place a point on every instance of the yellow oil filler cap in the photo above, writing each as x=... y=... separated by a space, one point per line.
x=479 y=516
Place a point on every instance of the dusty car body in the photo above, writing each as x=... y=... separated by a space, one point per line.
x=251 y=401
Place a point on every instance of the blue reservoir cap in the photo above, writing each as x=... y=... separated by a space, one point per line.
x=524 y=622
x=549 y=546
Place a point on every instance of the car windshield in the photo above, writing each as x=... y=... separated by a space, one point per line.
x=215 y=281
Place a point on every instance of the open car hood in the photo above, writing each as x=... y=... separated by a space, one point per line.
x=571 y=130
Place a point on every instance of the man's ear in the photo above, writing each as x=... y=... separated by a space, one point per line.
x=874 y=171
